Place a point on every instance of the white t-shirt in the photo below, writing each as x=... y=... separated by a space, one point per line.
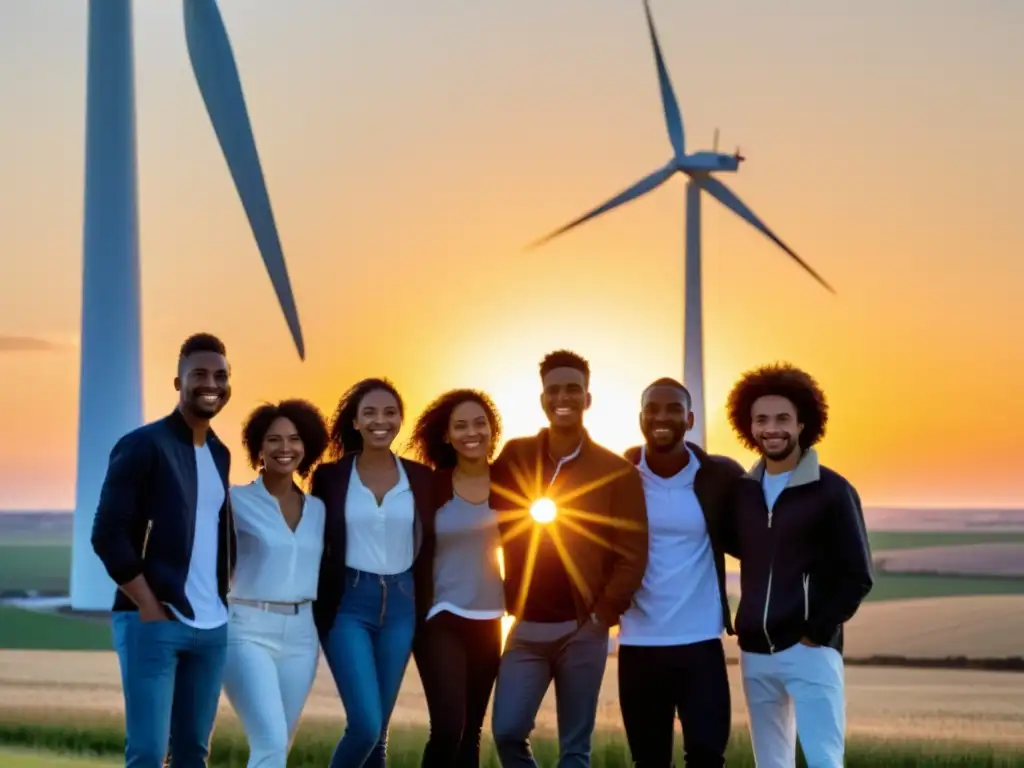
x=678 y=602
x=201 y=583
x=773 y=485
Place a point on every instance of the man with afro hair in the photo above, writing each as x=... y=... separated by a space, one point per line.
x=805 y=567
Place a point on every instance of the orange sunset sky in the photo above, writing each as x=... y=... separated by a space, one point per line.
x=412 y=149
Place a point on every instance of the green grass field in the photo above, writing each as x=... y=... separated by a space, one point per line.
x=315 y=742
x=907 y=586
x=29 y=630
x=35 y=564
x=44 y=564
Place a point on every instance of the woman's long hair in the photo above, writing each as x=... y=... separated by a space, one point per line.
x=428 y=441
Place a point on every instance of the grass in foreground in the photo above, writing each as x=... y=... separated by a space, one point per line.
x=103 y=737
x=16 y=758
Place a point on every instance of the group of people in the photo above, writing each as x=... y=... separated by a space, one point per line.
x=343 y=546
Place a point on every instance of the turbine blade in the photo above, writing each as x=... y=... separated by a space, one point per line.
x=642 y=187
x=673 y=117
x=728 y=198
x=213 y=63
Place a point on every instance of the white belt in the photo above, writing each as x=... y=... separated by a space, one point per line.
x=290 y=609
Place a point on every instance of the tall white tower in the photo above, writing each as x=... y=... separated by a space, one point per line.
x=110 y=384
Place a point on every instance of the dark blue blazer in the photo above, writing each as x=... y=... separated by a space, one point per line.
x=145 y=521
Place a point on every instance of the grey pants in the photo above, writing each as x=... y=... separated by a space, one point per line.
x=576 y=662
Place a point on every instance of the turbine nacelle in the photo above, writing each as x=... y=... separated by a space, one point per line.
x=707 y=162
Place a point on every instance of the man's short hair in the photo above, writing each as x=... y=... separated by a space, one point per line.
x=201 y=342
x=667 y=381
x=563 y=358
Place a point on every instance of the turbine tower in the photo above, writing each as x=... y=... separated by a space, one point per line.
x=698 y=167
x=110 y=386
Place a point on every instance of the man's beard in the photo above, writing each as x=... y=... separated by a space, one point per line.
x=678 y=436
x=783 y=453
x=201 y=410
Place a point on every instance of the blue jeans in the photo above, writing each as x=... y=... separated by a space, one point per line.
x=576 y=663
x=171 y=676
x=367 y=649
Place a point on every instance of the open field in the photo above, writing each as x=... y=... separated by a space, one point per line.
x=975 y=706
x=1005 y=559
x=35 y=553
x=885 y=540
x=971 y=626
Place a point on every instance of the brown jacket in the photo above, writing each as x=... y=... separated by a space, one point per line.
x=604 y=529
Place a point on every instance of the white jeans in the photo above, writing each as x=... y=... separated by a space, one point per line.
x=802 y=681
x=271 y=662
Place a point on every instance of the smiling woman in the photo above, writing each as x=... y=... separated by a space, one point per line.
x=280 y=542
x=378 y=535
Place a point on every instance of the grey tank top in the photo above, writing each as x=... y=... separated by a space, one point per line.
x=466 y=575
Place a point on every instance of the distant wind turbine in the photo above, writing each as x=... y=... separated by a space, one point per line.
x=110 y=395
x=698 y=167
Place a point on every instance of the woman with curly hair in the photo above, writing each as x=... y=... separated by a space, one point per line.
x=459 y=647
x=805 y=568
x=272 y=642
x=376 y=537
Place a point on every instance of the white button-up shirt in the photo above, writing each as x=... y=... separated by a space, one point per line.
x=275 y=564
x=379 y=537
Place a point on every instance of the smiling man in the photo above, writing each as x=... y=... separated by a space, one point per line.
x=164 y=532
x=671 y=657
x=589 y=563
x=805 y=568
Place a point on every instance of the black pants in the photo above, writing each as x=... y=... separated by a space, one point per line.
x=658 y=682
x=458 y=661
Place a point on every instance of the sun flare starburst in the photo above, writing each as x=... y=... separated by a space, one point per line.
x=553 y=517
x=544 y=510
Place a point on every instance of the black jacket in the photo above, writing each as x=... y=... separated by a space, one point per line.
x=330 y=484
x=805 y=567
x=145 y=520
x=714 y=485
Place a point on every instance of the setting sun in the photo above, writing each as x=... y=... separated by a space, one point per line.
x=543 y=510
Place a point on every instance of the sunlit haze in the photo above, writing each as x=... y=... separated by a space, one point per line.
x=412 y=150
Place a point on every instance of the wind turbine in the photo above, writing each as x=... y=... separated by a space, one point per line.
x=698 y=167
x=110 y=388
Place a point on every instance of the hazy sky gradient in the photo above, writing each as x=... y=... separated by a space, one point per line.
x=412 y=149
